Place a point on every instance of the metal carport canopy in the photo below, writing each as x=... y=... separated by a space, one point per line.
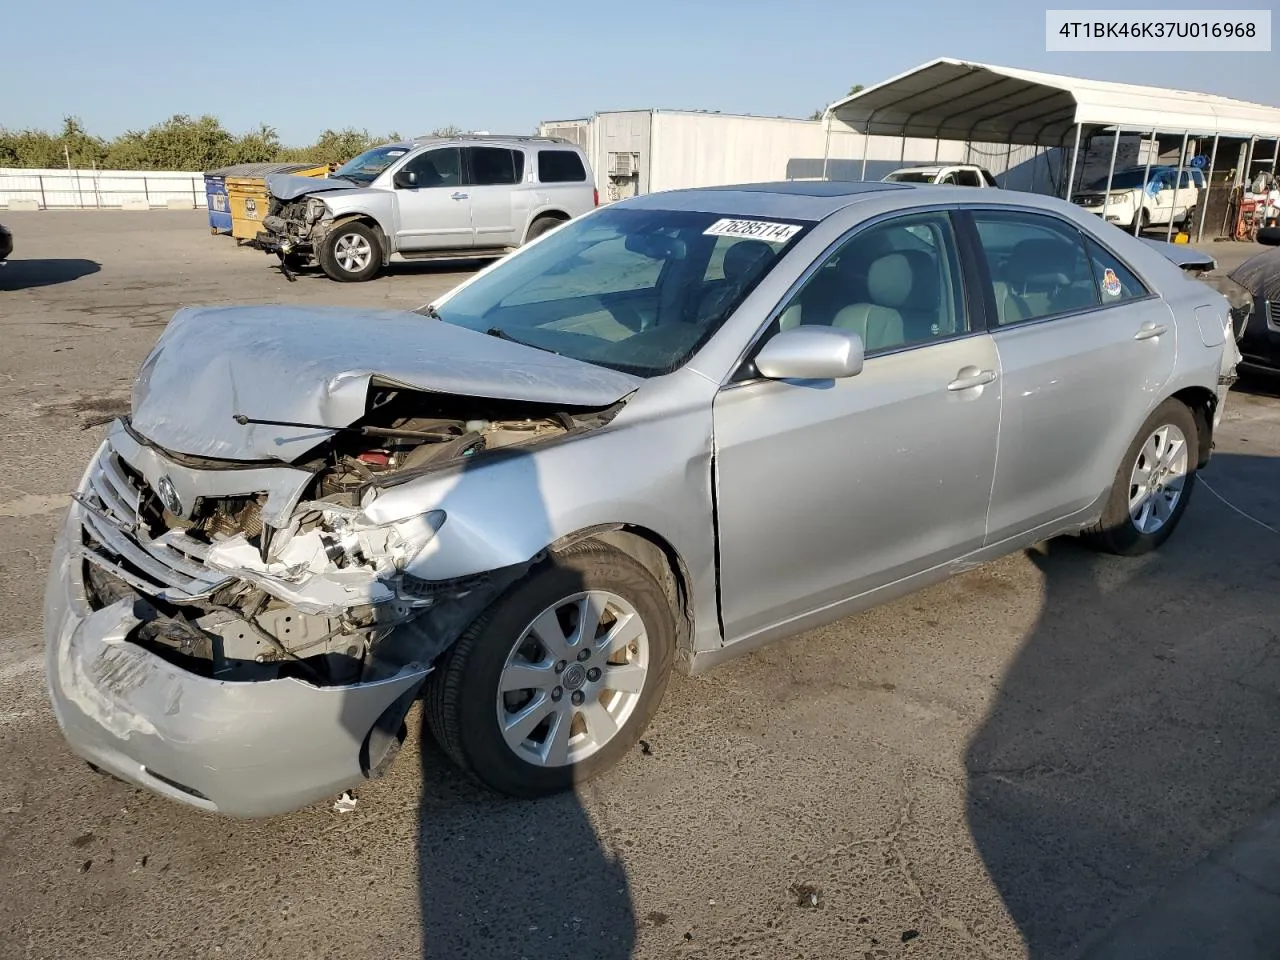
x=949 y=99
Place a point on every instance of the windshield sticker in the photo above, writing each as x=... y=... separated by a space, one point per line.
x=396 y=153
x=1111 y=283
x=756 y=229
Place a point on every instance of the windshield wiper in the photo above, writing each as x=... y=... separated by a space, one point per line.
x=503 y=335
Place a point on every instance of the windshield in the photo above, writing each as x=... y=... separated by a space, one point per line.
x=1124 y=179
x=366 y=167
x=911 y=176
x=634 y=290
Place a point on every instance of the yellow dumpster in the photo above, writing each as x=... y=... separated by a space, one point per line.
x=247 y=192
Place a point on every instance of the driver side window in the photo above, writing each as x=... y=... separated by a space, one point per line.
x=436 y=168
x=897 y=284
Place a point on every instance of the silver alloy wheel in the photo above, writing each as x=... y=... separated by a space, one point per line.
x=573 y=679
x=1158 y=478
x=352 y=252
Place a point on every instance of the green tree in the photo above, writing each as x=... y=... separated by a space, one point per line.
x=856 y=88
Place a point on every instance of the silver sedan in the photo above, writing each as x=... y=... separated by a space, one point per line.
x=663 y=434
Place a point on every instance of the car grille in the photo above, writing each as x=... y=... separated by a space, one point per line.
x=115 y=509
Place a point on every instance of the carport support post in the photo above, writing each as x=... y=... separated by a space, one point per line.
x=866 y=141
x=1275 y=154
x=826 y=149
x=1111 y=172
x=1142 y=193
x=1177 y=185
x=1208 y=186
x=1008 y=160
x=1075 y=154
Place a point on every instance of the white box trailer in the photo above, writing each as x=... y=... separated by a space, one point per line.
x=643 y=151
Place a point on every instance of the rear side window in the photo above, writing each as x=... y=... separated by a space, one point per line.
x=1038 y=264
x=991 y=181
x=495 y=165
x=560 y=166
x=1116 y=282
x=968 y=178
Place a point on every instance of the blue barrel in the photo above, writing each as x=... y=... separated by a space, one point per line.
x=215 y=191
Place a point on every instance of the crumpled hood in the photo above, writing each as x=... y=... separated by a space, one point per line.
x=313 y=365
x=290 y=186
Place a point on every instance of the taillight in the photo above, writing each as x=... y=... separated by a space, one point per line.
x=595 y=196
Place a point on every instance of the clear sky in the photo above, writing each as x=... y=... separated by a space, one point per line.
x=505 y=65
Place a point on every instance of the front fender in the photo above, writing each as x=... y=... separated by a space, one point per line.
x=506 y=507
x=376 y=205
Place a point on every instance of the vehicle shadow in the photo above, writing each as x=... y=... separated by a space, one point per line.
x=507 y=879
x=504 y=879
x=1134 y=733
x=25 y=274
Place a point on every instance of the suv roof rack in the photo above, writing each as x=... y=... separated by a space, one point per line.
x=427 y=138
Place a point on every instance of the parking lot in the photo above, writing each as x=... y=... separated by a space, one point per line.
x=1006 y=765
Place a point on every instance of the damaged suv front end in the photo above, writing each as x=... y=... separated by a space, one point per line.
x=237 y=614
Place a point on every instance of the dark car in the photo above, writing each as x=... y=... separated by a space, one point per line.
x=1260 y=276
x=6 y=243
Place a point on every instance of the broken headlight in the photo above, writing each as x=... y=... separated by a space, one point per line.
x=316 y=209
x=390 y=546
x=1240 y=298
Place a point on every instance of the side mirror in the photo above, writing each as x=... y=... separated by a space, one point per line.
x=1269 y=236
x=404 y=180
x=811 y=353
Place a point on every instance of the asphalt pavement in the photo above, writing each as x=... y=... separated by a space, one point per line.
x=1057 y=755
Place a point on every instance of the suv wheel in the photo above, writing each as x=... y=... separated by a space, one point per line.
x=556 y=681
x=1150 y=492
x=542 y=225
x=351 y=252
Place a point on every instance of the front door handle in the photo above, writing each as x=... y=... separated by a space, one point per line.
x=971 y=377
x=461 y=196
x=1149 y=331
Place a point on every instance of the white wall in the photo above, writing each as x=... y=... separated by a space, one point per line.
x=77 y=189
x=685 y=149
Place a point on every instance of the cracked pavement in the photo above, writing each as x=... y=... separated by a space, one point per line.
x=1003 y=766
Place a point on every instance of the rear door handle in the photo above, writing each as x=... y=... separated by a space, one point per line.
x=461 y=196
x=970 y=377
x=1149 y=331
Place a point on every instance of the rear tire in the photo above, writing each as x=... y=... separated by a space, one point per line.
x=351 y=253
x=543 y=225
x=1153 y=485
x=603 y=700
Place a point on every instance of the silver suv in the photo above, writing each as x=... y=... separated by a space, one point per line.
x=429 y=198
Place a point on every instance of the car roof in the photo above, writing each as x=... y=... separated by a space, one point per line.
x=792 y=199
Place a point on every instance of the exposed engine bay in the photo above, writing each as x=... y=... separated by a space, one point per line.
x=326 y=596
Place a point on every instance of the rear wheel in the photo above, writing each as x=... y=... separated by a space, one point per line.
x=1153 y=485
x=542 y=225
x=351 y=253
x=556 y=681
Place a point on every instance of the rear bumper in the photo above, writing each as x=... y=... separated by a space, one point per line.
x=244 y=749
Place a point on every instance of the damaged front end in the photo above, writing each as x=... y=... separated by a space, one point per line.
x=293 y=229
x=209 y=615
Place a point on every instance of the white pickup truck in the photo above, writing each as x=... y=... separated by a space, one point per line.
x=959 y=174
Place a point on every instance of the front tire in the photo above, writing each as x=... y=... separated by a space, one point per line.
x=1153 y=485
x=556 y=681
x=1143 y=220
x=351 y=253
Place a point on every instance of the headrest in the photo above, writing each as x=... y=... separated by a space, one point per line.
x=889 y=280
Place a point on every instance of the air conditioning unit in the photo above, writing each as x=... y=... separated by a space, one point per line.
x=624 y=164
